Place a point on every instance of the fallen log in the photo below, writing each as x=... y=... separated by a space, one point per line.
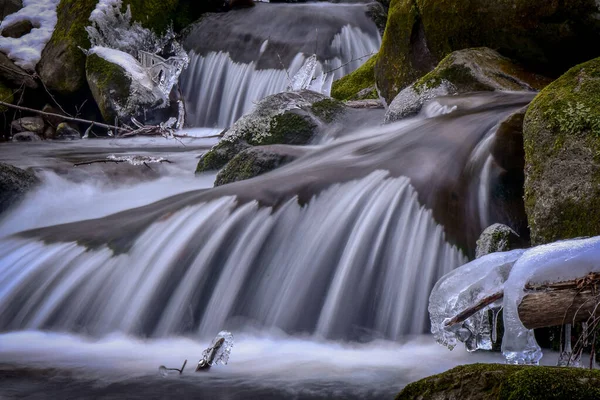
x=550 y=304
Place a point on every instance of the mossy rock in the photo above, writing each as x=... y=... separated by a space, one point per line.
x=359 y=85
x=251 y=162
x=562 y=157
x=283 y=118
x=62 y=66
x=110 y=85
x=506 y=382
x=495 y=238
x=546 y=36
x=463 y=71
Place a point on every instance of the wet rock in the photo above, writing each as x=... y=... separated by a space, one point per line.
x=545 y=36
x=65 y=131
x=14 y=75
x=463 y=71
x=252 y=162
x=378 y=13
x=283 y=118
x=18 y=29
x=561 y=137
x=62 y=65
x=115 y=91
x=495 y=238
x=26 y=137
x=14 y=184
x=507 y=147
x=31 y=124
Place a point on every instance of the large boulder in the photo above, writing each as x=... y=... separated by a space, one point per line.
x=358 y=85
x=463 y=71
x=498 y=381
x=283 y=118
x=562 y=154
x=119 y=84
x=546 y=35
x=62 y=66
x=14 y=184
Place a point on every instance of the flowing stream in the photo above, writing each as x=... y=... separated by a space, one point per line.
x=322 y=269
x=303 y=264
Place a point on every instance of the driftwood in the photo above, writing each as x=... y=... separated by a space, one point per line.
x=549 y=305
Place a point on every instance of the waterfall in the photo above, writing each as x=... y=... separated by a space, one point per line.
x=347 y=241
x=346 y=259
x=226 y=76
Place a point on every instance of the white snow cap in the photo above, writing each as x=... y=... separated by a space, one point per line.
x=26 y=51
x=128 y=62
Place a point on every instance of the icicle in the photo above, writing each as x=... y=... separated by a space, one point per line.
x=495 y=314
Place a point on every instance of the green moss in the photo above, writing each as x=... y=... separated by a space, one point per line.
x=6 y=95
x=289 y=128
x=111 y=83
x=458 y=74
x=327 y=109
x=65 y=45
x=563 y=122
x=506 y=382
x=217 y=157
x=248 y=164
x=393 y=68
x=156 y=15
x=348 y=87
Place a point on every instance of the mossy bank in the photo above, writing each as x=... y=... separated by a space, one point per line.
x=506 y=382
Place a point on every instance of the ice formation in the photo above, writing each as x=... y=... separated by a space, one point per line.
x=304 y=78
x=223 y=352
x=464 y=287
x=26 y=51
x=160 y=57
x=509 y=272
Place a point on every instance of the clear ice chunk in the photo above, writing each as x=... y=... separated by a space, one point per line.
x=462 y=288
x=304 y=77
x=223 y=351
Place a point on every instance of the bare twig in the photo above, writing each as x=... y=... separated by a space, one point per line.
x=85 y=121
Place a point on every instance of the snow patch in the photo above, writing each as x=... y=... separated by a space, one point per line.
x=26 y=51
x=125 y=60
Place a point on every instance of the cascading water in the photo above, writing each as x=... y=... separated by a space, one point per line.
x=229 y=72
x=329 y=244
x=343 y=243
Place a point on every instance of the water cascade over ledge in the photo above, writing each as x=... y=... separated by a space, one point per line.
x=231 y=71
x=346 y=241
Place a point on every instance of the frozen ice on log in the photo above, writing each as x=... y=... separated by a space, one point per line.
x=460 y=301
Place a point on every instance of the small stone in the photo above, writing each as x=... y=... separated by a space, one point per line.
x=495 y=238
x=29 y=124
x=26 y=137
x=64 y=131
x=18 y=29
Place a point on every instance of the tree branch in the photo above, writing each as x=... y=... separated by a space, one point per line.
x=548 y=305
